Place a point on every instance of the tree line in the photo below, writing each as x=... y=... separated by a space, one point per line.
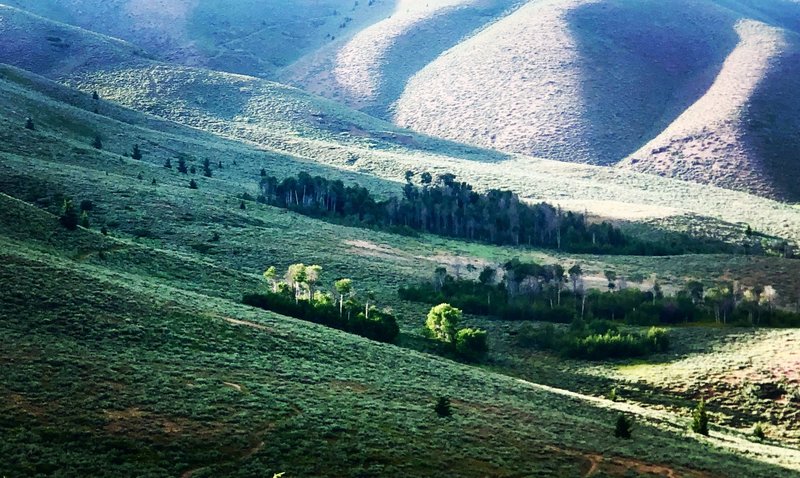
x=528 y=291
x=450 y=208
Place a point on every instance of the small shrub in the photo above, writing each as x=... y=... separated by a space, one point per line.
x=624 y=427
x=471 y=344
x=98 y=142
x=613 y=395
x=700 y=419
x=443 y=408
x=137 y=153
x=192 y=184
x=758 y=432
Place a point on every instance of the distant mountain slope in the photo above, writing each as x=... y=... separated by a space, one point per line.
x=243 y=36
x=744 y=133
x=370 y=71
x=289 y=123
x=696 y=90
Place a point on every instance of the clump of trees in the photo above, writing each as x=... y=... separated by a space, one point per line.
x=552 y=293
x=302 y=295
x=442 y=324
x=595 y=340
x=69 y=215
x=451 y=208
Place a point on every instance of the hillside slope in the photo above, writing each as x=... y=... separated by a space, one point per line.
x=286 y=121
x=128 y=354
x=251 y=36
x=699 y=91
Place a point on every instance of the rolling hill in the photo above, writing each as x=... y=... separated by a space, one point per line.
x=128 y=354
x=699 y=91
x=127 y=350
x=288 y=121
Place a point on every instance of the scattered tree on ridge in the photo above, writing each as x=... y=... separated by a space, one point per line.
x=69 y=216
x=137 y=153
x=29 y=124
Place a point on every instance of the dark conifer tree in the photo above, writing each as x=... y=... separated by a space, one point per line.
x=29 y=124
x=192 y=184
x=69 y=215
x=137 y=153
x=98 y=142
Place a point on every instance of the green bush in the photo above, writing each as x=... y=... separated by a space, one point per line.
x=471 y=344
x=624 y=427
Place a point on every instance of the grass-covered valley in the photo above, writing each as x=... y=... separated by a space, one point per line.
x=129 y=349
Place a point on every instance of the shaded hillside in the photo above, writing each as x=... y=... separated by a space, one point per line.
x=742 y=134
x=128 y=354
x=289 y=122
x=247 y=36
x=370 y=71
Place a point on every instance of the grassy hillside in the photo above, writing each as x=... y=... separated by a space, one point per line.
x=129 y=354
x=250 y=37
x=699 y=91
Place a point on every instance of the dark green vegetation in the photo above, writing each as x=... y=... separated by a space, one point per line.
x=595 y=340
x=450 y=208
x=624 y=427
x=302 y=297
x=529 y=291
x=700 y=418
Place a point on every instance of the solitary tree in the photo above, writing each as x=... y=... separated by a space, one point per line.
x=29 y=124
x=575 y=273
x=242 y=206
x=443 y=408
x=192 y=184
x=95 y=95
x=263 y=173
x=98 y=142
x=624 y=427
x=207 y=168
x=168 y=163
x=611 y=276
x=69 y=216
x=344 y=287
x=296 y=278
x=700 y=418
x=269 y=275
x=442 y=322
x=312 y=277
x=137 y=153
x=182 y=166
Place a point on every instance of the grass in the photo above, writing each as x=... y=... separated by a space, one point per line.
x=129 y=354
